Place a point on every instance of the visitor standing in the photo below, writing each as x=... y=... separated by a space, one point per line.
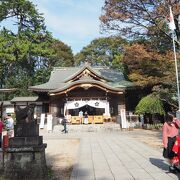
x=170 y=131
x=81 y=116
x=64 y=123
x=86 y=118
x=1 y=129
x=10 y=125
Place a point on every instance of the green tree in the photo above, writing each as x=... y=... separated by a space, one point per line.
x=25 y=14
x=28 y=53
x=19 y=57
x=105 y=51
x=168 y=95
x=63 y=54
x=20 y=47
x=150 y=106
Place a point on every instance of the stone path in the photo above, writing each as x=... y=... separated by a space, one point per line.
x=105 y=154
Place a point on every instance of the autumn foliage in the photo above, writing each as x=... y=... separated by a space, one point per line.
x=140 y=18
x=148 y=67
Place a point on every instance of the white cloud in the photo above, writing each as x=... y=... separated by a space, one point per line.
x=73 y=22
x=70 y=25
x=82 y=5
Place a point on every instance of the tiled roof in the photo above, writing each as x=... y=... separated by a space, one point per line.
x=57 y=78
x=60 y=75
x=5 y=103
x=8 y=90
x=24 y=99
x=90 y=81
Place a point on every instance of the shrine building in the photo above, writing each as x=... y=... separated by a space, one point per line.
x=101 y=92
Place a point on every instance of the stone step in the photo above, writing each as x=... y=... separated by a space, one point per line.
x=89 y=127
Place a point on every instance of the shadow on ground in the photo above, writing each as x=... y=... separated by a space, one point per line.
x=162 y=165
x=61 y=157
x=57 y=172
x=66 y=172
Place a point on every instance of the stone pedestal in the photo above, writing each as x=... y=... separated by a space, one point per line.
x=1 y=161
x=25 y=157
x=26 y=130
x=25 y=163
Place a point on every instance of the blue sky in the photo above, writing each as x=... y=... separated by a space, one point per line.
x=75 y=22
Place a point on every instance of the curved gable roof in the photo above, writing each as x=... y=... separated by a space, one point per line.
x=63 y=76
x=86 y=66
x=81 y=83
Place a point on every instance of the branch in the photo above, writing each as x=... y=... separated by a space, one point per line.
x=175 y=106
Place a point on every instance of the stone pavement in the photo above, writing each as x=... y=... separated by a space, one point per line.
x=109 y=153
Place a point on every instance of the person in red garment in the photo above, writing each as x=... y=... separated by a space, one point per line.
x=170 y=131
x=176 y=149
x=1 y=129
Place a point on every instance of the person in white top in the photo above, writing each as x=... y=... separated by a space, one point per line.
x=81 y=116
x=10 y=125
x=86 y=118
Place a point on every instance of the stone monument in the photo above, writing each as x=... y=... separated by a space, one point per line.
x=25 y=157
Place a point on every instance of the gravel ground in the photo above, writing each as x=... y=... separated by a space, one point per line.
x=60 y=157
x=152 y=138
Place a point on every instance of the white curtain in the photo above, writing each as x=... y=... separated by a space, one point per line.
x=93 y=103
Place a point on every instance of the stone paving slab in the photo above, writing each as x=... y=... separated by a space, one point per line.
x=119 y=157
x=114 y=155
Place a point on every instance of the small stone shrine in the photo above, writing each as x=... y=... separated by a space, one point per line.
x=25 y=156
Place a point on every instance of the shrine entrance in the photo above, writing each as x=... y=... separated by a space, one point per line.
x=90 y=111
x=97 y=111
